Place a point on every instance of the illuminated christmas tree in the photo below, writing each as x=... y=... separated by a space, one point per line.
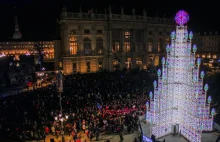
x=179 y=97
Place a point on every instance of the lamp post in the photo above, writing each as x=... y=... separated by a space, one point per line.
x=60 y=90
x=61 y=119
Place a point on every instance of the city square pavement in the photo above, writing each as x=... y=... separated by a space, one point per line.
x=206 y=137
x=102 y=138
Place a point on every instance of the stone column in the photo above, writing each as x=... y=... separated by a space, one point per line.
x=80 y=41
x=155 y=42
x=66 y=40
x=122 y=63
x=133 y=61
x=122 y=40
x=110 y=40
x=134 y=50
x=145 y=40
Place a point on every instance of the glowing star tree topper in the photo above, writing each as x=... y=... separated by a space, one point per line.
x=182 y=17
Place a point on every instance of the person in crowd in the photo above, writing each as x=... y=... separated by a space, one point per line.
x=94 y=103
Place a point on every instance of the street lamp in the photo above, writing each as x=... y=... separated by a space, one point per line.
x=59 y=86
x=61 y=119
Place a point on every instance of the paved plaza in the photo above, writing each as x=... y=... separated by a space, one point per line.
x=206 y=137
x=102 y=138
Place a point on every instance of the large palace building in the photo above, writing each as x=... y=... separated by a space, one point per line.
x=91 y=42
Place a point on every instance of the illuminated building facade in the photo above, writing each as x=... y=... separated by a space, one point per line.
x=17 y=46
x=91 y=42
x=209 y=47
x=18 y=50
x=180 y=101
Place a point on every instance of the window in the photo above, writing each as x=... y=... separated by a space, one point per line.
x=150 y=45
x=100 y=65
x=87 y=46
x=116 y=34
x=73 y=46
x=116 y=47
x=127 y=35
x=127 y=47
x=138 y=35
x=73 y=32
x=167 y=41
x=158 y=46
x=116 y=64
x=160 y=33
x=74 y=67
x=214 y=56
x=88 y=66
x=138 y=61
x=99 y=45
x=150 y=32
x=99 y=31
x=128 y=63
x=86 y=31
x=60 y=64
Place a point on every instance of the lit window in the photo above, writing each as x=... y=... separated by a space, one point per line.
x=158 y=46
x=127 y=47
x=203 y=56
x=214 y=56
x=73 y=46
x=116 y=64
x=88 y=66
x=100 y=52
x=100 y=65
x=209 y=56
x=60 y=64
x=99 y=45
x=127 y=35
x=116 y=47
x=138 y=61
x=128 y=63
x=150 y=45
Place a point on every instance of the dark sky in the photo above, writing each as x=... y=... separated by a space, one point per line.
x=37 y=18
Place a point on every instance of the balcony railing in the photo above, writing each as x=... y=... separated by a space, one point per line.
x=118 y=17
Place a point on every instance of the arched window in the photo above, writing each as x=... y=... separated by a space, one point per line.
x=167 y=40
x=128 y=63
x=87 y=46
x=150 y=45
x=99 y=45
x=138 y=61
x=73 y=45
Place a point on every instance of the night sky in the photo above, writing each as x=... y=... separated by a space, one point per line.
x=37 y=18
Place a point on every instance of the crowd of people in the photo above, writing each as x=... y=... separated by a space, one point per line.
x=93 y=103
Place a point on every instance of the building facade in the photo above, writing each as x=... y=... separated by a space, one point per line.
x=16 y=46
x=21 y=58
x=91 y=42
x=208 y=47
